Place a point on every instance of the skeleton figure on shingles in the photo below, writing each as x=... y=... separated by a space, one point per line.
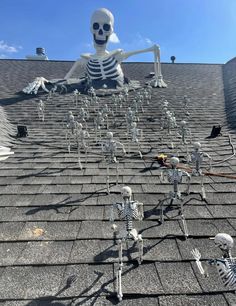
x=104 y=67
x=175 y=178
x=41 y=109
x=196 y=158
x=127 y=211
x=184 y=132
x=81 y=137
x=226 y=266
x=109 y=150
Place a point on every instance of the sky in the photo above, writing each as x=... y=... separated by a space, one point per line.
x=194 y=31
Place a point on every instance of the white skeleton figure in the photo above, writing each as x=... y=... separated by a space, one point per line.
x=109 y=150
x=175 y=177
x=70 y=129
x=136 y=137
x=83 y=116
x=99 y=124
x=130 y=118
x=147 y=96
x=197 y=157
x=185 y=105
x=226 y=266
x=104 y=66
x=184 y=131
x=76 y=94
x=127 y=211
x=41 y=109
x=33 y=87
x=81 y=137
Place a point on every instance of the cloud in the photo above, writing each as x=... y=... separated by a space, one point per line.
x=4 y=47
x=2 y=56
x=114 y=39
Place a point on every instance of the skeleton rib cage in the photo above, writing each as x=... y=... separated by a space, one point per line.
x=108 y=68
x=227 y=271
x=128 y=212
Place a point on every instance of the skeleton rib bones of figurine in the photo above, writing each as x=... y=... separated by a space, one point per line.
x=104 y=65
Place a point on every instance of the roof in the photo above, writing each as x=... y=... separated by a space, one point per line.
x=55 y=217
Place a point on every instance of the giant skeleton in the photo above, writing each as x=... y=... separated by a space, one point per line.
x=103 y=67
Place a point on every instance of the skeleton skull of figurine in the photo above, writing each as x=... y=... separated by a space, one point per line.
x=174 y=161
x=126 y=192
x=183 y=123
x=197 y=145
x=224 y=241
x=101 y=26
x=134 y=124
x=109 y=135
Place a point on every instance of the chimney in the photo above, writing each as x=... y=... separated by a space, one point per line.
x=40 y=55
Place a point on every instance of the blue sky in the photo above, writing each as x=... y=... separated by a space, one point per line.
x=193 y=30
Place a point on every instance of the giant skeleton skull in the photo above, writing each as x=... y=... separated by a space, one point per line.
x=102 y=22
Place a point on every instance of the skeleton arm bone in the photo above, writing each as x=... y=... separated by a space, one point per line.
x=184 y=173
x=122 y=146
x=157 y=64
x=85 y=58
x=197 y=255
x=114 y=226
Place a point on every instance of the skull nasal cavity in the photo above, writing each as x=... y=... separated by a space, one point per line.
x=100 y=32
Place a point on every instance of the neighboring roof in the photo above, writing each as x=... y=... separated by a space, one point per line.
x=55 y=217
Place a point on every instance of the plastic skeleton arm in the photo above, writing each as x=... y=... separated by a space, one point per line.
x=197 y=255
x=158 y=81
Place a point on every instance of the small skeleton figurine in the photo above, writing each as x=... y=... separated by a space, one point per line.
x=76 y=94
x=106 y=111
x=70 y=128
x=130 y=118
x=197 y=157
x=136 y=136
x=127 y=211
x=147 y=96
x=226 y=266
x=92 y=92
x=109 y=150
x=175 y=177
x=81 y=137
x=99 y=124
x=41 y=109
x=184 y=131
x=185 y=105
x=83 y=116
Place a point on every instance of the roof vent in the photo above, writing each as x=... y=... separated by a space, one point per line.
x=173 y=58
x=40 y=55
x=40 y=51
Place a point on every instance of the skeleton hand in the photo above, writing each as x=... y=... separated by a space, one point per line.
x=197 y=255
x=114 y=227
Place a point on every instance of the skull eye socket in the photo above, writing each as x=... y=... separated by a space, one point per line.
x=106 y=27
x=96 y=26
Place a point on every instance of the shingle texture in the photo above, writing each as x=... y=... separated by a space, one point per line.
x=54 y=217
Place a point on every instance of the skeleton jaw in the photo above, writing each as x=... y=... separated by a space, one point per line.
x=100 y=41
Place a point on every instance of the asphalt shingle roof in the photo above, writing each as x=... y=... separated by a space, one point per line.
x=54 y=217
